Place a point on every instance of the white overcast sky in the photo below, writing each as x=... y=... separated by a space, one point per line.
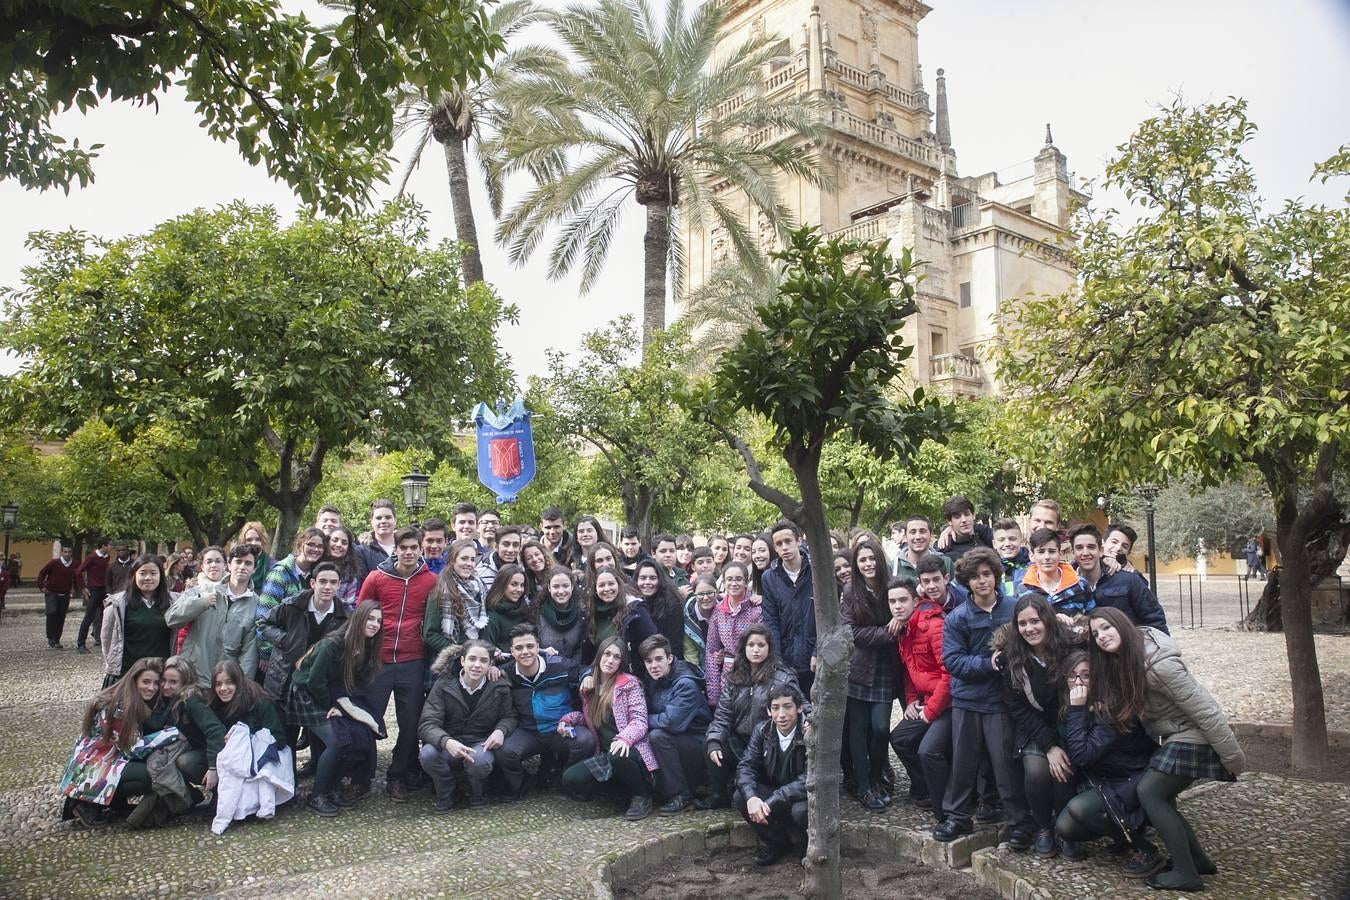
x=1094 y=70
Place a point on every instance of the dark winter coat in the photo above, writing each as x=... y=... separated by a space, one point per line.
x=1033 y=701
x=869 y=643
x=765 y=763
x=1129 y=593
x=741 y=708
x=541 y=701
x=676 y=704
x=790 y=613
x=291 y=631
x=966 y=632
x=446 y=712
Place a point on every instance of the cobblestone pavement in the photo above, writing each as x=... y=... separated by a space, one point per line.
x=1249 y=673
x=549 y=847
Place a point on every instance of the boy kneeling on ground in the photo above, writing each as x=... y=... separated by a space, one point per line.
x=771 y=777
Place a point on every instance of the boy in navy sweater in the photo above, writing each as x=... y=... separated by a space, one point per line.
x=981 y=725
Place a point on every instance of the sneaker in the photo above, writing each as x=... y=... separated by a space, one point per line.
x=767 y=856
x=82 y=650
x=951 y=829
x=674 y=806
x=90 y=815
x=1163 y=882
x=987 y=814
x=322 y=805
x=397 y=791
x=1071 y=850
x=1044 y=843
x=872 y=802
x=355 y=793
x=1143 y=864
x=1019 y=840
x=712 y=801
x=443 y=804
x=639 y=809
x=342 y=800
x=477 y=800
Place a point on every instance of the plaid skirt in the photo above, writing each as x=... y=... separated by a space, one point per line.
x=1191 y=761
x=301 y=711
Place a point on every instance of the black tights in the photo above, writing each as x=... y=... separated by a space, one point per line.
x=1158 y=796
x=1045 y=795
x=1084 y=818
x=869 y=729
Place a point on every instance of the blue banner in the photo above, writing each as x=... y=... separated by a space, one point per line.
x=505 y=449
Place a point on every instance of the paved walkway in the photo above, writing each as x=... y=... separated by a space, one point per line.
x=1271 y=837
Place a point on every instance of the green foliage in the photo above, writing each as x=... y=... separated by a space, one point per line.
x=1207 y=334
x=827 y=354
x=262 y=348
x=623 y=409
x=647 y=112
x=312 y=105
x=1224 y=516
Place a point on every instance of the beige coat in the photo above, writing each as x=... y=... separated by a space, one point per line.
x=1178 y=709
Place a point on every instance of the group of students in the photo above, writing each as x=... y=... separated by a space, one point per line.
x=1035 y=691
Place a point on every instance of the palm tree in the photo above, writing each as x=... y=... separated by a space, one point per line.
x=455 y=118
x=634 y=116
x=723 y=308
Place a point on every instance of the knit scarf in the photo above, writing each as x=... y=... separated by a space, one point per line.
x=560 y=619
x=603 y=616
x=471 y=590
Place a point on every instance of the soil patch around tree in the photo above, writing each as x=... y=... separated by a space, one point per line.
x=732 y=873
x=1271 y=754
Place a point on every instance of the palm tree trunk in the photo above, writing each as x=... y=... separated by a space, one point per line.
x=655 y=251
x=466 y=229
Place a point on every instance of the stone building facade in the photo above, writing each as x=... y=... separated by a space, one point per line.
x=985 y=240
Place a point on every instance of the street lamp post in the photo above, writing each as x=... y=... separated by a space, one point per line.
x=10 y=511
x=1149 y=493
x=415 y=492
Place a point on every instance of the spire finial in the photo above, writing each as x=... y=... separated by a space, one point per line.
x=943 y=127
x=1049 y=139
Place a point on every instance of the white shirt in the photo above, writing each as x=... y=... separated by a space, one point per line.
x=319 y=614
x=464 y=684
x=785 y=740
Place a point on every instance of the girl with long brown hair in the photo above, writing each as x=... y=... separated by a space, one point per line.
x=508 y=605
x=615 y=710
x=456 y=608
x=100 y=766
x=1108 y=747
x=873 y=674
x=1196 y=741
x=741 y=706
x=338 y=665
x=616 y=611
x=1030 y=653
x=560 y=616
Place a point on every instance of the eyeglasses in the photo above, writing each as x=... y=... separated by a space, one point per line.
x=314 y=546
x=703 y=595
x=1079 y=679
x=734 y=579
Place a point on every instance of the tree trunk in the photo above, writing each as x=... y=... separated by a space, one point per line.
x=655 y=250
x=637 y=511
x=1295 y=526
x=834 y=646
x=288 y=524
x=466 y=229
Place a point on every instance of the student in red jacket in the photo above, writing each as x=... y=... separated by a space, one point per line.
x=923 y=739
x=401 y=585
